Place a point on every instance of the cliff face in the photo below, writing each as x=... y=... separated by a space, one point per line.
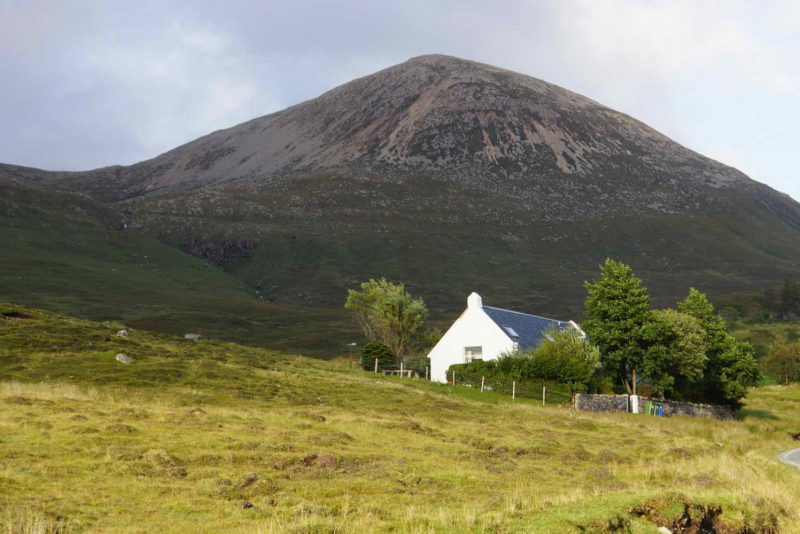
x=454 y=176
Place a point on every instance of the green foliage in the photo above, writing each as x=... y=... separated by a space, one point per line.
x=375 y=350
x=563 y=356
x=789 y=297
x=386 y=312
x=417 y=353
x=729 y=313
x=685 y=355
x=562 y=364
x=783 y=362
x=620 y=322
x=511 y=373
x=730 y=368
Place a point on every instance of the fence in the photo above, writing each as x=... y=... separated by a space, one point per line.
x=547 y=392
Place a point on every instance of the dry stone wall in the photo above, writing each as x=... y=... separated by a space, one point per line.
x=602 y=403
x=621 y=403
x=673 y=408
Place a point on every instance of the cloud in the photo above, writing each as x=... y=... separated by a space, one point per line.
x=102 y=82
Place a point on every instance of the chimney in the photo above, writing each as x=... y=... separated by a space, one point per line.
x=474 y=301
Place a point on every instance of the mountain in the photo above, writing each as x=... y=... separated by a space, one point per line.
x=453 y=176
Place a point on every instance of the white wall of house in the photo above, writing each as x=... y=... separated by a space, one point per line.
x=473 y=329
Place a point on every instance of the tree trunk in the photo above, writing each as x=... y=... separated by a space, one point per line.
x=634 y=382
x=627 y=385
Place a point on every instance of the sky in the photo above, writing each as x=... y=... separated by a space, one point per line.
x=85 y=84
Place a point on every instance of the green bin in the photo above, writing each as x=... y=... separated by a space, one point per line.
x=649 y=408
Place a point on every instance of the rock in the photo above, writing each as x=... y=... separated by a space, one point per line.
x=664 y=530
x=122 y=358
x=192 y=336
x=122 y=333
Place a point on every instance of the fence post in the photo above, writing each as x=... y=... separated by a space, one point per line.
x=376 y=366
x=401 y=369
x=543 y=395
x=454 y=379
x=513 y=390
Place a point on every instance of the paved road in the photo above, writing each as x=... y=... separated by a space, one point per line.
x=791 y=457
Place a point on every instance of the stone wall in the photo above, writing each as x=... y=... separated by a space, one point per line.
x=621 y=403
x=673 y=408
x=601 y=403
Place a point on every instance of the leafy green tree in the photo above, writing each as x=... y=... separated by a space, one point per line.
x=375 y=350
x=563 y=356
x=769 y=300
x=387 y=313
x=789 y=297
x=620 y=322
x=783 y=362
x=685 y=352
x=417 y=353
x=730 y=368
x=729 y=313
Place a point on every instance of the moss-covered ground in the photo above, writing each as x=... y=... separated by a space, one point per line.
x=209 y=437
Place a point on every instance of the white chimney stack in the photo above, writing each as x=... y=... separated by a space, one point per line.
x=474 y=301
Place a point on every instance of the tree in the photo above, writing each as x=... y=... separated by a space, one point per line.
x=387 y=313
x=730 y=368
x=769 y=300
x=563 y=356
x=622 y=325
x=783 y=362
x=375 y=350
x=417 y=351
x=686 y=351
x=789 y=297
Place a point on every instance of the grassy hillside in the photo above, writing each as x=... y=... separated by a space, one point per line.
x=762 y=335
x=214 y=437
x=67 y=253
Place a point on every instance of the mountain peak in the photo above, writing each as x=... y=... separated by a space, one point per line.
x=459 y=119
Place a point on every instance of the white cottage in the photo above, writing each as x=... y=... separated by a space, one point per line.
x=483 y=333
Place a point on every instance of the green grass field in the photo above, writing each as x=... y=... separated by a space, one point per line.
x=214 y=437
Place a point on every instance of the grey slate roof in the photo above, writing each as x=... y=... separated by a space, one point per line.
x=530 y=328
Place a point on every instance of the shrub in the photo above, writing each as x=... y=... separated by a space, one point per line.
x=565 y=357
x=501 y=374
x=377 y=350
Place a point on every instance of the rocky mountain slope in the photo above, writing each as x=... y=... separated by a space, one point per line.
x=453 y=176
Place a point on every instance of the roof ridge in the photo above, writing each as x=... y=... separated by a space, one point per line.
x=526 y=314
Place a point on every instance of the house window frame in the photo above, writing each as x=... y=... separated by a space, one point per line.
x=473 y=357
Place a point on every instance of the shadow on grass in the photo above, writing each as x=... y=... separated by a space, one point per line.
x=758 y=414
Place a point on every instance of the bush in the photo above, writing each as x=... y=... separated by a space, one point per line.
x=377 y=350
x=565 y=357
x=501 y=374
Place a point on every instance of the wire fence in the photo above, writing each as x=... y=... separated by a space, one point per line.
x=548 y=392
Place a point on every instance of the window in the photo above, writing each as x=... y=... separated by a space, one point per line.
x=473 y=353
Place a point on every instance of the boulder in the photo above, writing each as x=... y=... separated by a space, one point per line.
x=192 y=336
x=122 y=333
x=122 y=358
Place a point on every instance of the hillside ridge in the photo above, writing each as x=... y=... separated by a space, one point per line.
x=452 y=176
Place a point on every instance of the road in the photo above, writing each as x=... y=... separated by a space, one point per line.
x=791 y=457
